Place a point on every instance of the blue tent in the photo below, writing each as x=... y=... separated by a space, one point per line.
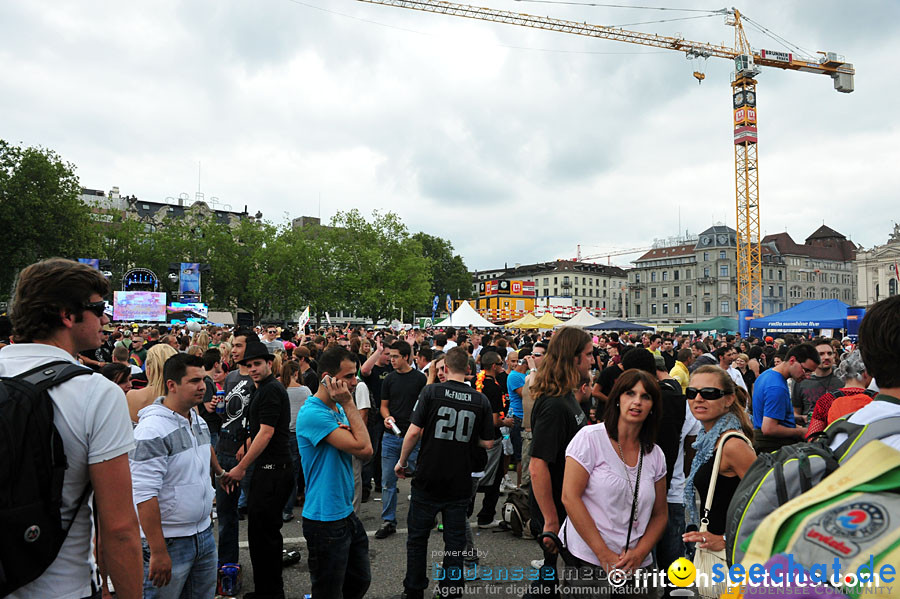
x=811 y=314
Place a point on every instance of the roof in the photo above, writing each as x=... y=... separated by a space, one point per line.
x=831 y=247
x=825 y=232
x=686 y=249
x=524 y=270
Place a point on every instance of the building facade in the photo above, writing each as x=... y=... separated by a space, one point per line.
x=877 y=271
x=695 y=279
x=154 y=214
x=564 y=287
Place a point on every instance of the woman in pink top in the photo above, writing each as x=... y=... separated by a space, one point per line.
x=615 y=482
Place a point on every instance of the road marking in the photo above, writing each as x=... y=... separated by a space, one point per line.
x=302 y=541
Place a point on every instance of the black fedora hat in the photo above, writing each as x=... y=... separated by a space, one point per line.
x=256 y=350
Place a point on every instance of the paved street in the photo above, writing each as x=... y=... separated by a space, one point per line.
x=499 y=549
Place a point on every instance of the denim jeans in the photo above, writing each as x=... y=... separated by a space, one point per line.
x=338 y=558
x=422 y=512
x=298 y=476
x=390 y=453
x=193 y=568
x=227 y=511
x=670 y=546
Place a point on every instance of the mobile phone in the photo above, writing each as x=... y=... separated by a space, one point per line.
x=325 y=381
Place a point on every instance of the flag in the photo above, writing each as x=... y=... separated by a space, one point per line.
x=449 y=303
x=304 y=318
x=434 y=305
x=328 y=318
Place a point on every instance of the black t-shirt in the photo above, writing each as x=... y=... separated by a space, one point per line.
x=554 y=421
x=213 y=420
x=401 y=392
x=668 y=438
x=311 y=380
x=238 y=391
x=374 y=381
x=608 y=378
x=669 y=359
x=492 y=391
x=453 y=417
x=271 y=406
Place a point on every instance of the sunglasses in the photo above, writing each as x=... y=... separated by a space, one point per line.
x=537 y=355
x=98 y=308
x=706 y=393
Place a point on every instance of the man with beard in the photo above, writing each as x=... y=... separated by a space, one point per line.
x=807 y=392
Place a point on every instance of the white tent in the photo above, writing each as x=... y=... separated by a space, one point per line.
x=581 y=320
x=465 y=316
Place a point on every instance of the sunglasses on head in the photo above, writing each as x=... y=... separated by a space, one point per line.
x=98 y=308
x=705 y=393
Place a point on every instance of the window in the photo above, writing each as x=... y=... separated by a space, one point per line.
x=653 y=292
x=780 y=291
x=665 y=275
x=583 y=281
x=653 y=309
x=665 y=292
x=677 y=308
x=723 y=308
x=546 y=281
x=723 y=288
x=604 y=305
x=689 y=307
x=637 y=310
x=706 y=256
x=604 y=282
x=676 y=291
x=590 y=282
x=604 y=293
x=705 y=272
x=637 y=278
x=811 y=292
x=677 y=272
x=590 y=303
x=566 y=280
x=687 y=289
x=721 y=254
x=665 y=308
x=652 y=276
x=546 y=291
x=771 y=290
x=555 y=292
x=779 y=275
x=707 y=307
x=554 y=282
x=576 y=291
x=723 y=270
x=687 y=273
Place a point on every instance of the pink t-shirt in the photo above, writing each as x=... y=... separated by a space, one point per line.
x=608 y=496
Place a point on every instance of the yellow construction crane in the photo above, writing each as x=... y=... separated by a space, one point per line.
x=746 y=66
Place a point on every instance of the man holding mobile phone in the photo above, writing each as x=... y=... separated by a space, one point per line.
x=330 y=431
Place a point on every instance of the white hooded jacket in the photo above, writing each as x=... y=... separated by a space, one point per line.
x=171 y=461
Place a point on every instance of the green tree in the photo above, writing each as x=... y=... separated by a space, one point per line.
x=42 y=213
x=448 y=273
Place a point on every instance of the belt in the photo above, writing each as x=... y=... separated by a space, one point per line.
x=272 y=466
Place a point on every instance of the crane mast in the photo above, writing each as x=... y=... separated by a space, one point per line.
x=746 y=62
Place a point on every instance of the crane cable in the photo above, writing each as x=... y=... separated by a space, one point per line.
x=603 y=5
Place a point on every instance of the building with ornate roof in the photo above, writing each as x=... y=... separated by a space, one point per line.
x=877 y=271
x=695 y=279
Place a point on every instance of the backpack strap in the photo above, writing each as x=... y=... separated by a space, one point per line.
x=54 y=373
x=866 y=433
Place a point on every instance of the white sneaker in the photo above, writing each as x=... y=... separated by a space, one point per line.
x=537 y=564
x=493 y=524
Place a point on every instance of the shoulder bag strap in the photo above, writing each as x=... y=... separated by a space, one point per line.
x=704 y=520
x=634 y=501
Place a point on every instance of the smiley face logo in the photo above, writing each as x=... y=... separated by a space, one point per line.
x=682 y=572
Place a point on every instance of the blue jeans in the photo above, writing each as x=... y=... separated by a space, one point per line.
x=422 y=511
x=338 y=558
x=193 y=568
x=670 y=546
x=390 y=453
x=227 y=511
x=298 y=475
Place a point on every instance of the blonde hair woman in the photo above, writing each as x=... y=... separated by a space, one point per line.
x=202 y=340
x=156 y=386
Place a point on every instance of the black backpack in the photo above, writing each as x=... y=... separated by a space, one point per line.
x=31 y=474
x=516 y=511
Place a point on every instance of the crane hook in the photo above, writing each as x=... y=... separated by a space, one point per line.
x=699 y=76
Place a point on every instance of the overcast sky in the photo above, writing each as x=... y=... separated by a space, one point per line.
x=514 y=144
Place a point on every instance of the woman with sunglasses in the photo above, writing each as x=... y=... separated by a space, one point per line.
x=711 y=397
x=614 y=488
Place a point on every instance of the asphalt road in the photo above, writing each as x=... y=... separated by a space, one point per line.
x=498 y=550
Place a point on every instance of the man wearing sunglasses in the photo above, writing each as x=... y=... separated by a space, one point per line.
x=271 y=340
x=773 y=413
x=58 y=312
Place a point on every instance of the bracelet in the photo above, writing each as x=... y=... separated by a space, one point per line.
x=220 y=475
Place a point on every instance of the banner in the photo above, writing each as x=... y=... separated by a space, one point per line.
x=328 y=318
x=449 y=304
x=304 y=318
x=189 y=279
x=92 y=262
x=434 y=305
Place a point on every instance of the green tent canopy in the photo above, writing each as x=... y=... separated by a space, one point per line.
x=720 y=324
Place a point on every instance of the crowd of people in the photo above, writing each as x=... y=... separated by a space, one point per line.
x=612 y=437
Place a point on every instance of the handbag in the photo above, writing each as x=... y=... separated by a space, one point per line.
x=705 y=559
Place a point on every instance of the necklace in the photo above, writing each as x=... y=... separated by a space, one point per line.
x=632 y=488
